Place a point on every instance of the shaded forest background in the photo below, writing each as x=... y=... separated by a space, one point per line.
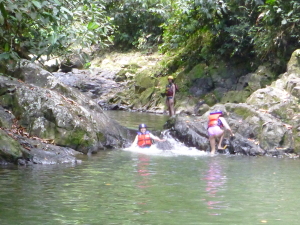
x=194 y=31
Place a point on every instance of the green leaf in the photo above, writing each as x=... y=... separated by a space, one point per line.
x=1 y=19
x=53 y=39
x=33 y=15
x=18 y=16
x=14 y=56
x=63 y=9
x=92 y=26
x=271 y=2
x=290 y=13
x=3 y=10
x=4 y=55
x=37 y=4
x=57 y=2
x=6 y=47
x=283 y=22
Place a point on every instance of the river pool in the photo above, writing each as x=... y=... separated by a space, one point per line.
x=180 y=186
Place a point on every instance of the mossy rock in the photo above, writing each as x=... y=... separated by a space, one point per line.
x=203 y=109
x=11 y=102
x=210 y=99
x=161 y=84
x=10 y=149
x=260 y=78
x=78 y=138
x=296 y=142
x=242 y=111
x=235 y=97
x=121 y=76
x=132 y=67
x=137 y=104
x=186 y=105
x=198 y=71
x=266 y=97
x=49 y=130
x=294 y=63
x=144 y=81
x=146 y=95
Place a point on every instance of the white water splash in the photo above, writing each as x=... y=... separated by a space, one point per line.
x=170 y=147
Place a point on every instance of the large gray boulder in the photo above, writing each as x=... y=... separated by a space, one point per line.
x=70 y=120
x=256 y=132
x=50 y=110
x=281 y=99
x=19 y=148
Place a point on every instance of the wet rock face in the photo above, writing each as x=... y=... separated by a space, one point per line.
x=268 y=123
x=48 y=109
x=189 y=130
x=10 y=149
x=30 y=73
x=206 y=85
x=47 y=114
x=240 y=145
x=97 y=84
x=281 y=100
x=24 y=150
x=256 y=132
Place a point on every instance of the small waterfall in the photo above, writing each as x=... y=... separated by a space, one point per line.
x=170 y=147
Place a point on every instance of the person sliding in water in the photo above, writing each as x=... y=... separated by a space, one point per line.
x=216 y=122
x=144 y=138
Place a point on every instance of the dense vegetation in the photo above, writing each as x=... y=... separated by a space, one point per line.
x=206 y=29
x=47 y=27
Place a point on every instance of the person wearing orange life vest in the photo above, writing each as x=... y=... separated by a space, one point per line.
x=144 y=138
x=170 y=93
x=216 y=123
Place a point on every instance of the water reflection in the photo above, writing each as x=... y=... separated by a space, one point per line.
x=143 y=171
x=215 y=184
x=143 y=180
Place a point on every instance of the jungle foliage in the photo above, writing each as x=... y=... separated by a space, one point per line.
x=265 y=30
x=244 y=30
x=45 y=27
x=138 y=22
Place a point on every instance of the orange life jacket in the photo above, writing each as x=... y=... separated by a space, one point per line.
x=144 y=139
x=213 y=120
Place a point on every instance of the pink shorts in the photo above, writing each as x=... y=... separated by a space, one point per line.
x=215 y=131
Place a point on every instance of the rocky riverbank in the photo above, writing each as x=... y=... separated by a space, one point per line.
x=49 y=118
x=45 y=121
x=264 y=114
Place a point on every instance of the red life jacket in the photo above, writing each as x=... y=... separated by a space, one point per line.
x=144 y=139
x=213 y=120
x=169 y=90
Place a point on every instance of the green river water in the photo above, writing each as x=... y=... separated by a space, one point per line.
x=180 y=186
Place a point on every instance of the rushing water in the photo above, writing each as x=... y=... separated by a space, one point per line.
x=178 y=186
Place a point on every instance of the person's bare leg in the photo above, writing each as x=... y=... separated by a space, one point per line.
x=212 y=142
x=171 y=105
x=168 y=105
x=220 y=141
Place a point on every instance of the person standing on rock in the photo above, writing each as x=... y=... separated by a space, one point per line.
x=170 y=93
x=144 y=138
x=216 y=125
